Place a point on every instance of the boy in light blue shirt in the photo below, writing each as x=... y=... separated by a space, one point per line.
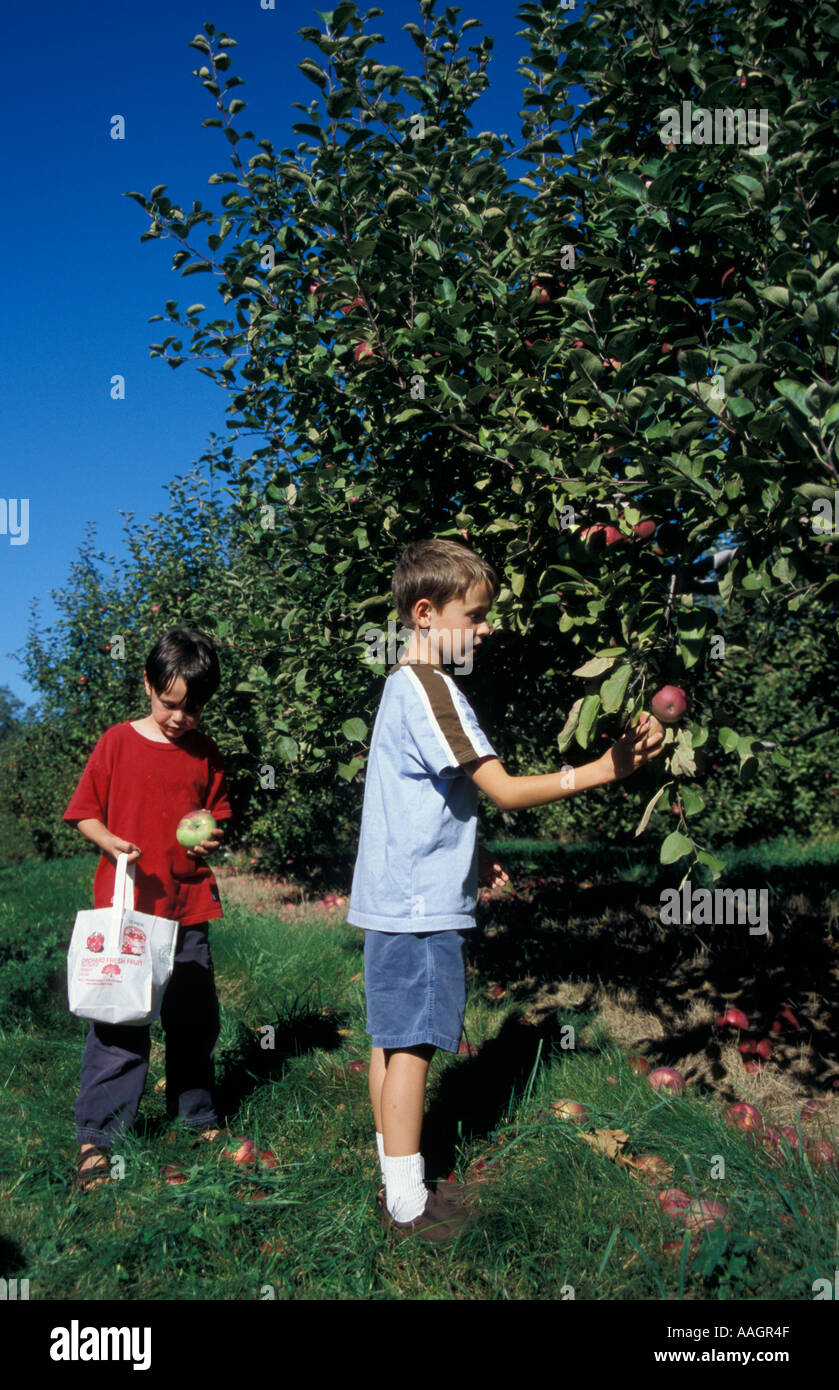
x=417 y=869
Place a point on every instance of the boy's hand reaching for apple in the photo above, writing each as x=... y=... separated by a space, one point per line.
x=636 y=746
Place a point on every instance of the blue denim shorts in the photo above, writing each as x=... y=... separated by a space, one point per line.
x=415 y=983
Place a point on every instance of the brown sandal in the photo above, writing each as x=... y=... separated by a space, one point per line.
x=99 y=1170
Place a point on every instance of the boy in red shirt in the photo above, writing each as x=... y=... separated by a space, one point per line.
x=141 y=778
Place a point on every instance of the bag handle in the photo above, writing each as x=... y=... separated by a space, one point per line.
x=124 y=895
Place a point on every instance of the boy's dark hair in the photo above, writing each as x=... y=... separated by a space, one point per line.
x=438 y=570
x=184 y=652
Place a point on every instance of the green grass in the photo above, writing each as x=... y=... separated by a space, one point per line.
x=555 y=1213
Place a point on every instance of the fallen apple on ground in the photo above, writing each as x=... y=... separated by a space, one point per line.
x=771 y=1141
x=742 y=1115
x=640 y=1066
x=732 y=1018
x=357 y=1067
x=785 y=1015
x=674 y=1247
x=244 y=1154
x=173 y=1174
x=703 y=1213
x=674 y=1201
x=653 y=1168
x=811 y=1108
x=194 y=828
x=822 y=1153
x=667 y=1079
x=567 y=1109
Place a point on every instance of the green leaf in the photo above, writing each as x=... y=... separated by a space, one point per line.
x=713 y=863
x=795 y=393
x=596 y=666
x=588 y=714
x=692 y=801
x=613 y=690
x=354 y=729
x=776 y=294
x=288 y=748
x=348 y=770
x=676 y=846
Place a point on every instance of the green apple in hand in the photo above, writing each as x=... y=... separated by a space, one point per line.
x=194 y=828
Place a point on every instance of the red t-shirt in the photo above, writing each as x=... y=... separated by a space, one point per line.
x=140 y=789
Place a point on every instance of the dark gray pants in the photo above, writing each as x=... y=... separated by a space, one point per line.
x=115 y=1061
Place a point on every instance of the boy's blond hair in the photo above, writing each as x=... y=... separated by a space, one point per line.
x=438 y=570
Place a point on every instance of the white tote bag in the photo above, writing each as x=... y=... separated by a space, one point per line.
x=120 y=961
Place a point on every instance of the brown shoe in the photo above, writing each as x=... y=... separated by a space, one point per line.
x=440 y=1222
x=459 y=1193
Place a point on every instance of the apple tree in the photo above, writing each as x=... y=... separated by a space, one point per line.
x=594 y=370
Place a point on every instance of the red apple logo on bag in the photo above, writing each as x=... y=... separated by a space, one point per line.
x=111 y=970
x=133 y=941
x=96 y=941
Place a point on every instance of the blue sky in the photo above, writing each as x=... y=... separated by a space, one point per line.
x=80 y=286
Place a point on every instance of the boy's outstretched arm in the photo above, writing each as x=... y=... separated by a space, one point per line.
x=635 y=747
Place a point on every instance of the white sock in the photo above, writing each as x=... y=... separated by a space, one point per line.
x=380 y=1145
x=406 y=1191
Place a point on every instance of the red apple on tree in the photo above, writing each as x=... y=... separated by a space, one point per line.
x=363 y=350
x=645 y=529
x=669 y=704
x=357 y=303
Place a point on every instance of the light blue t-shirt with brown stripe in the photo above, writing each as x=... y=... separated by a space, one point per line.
x=417 y=864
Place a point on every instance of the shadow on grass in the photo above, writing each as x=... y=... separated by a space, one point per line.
x=255 y=1057
x=473 y=1096
x=610 y=937
x=12 y=1258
